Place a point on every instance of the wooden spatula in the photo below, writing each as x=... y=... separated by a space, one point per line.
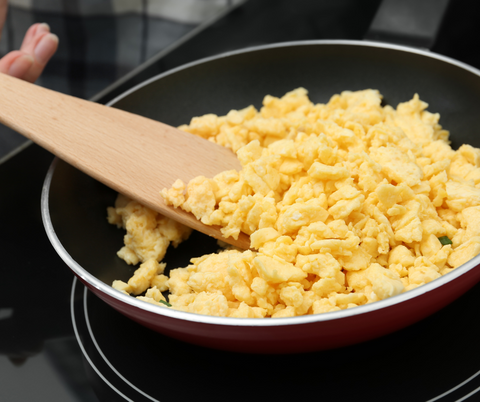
x=131 y=154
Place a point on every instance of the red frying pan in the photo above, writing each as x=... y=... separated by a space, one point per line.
x=74 y=205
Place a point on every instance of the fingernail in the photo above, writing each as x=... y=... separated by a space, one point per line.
x=46 y=48
x=43 y=27
x=20 y=66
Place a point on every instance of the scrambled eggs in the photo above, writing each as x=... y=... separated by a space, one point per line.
x=344 y=202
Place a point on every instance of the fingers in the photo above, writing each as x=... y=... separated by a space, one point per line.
x=38 y=46
x=16 y=64
x=33 y=36
x=44 y=47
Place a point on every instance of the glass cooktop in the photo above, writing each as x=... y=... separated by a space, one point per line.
x=59 y=342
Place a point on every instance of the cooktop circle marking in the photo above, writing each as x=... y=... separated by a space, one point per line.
x=457 y=387
x=87 y=320
x=77 y=335
x=469 y=395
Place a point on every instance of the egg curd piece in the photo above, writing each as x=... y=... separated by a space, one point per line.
x=344 y=202
x=276 y=271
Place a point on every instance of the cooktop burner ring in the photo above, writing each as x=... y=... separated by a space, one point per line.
x=80 y=312
x=97 y=347
x=100 y=352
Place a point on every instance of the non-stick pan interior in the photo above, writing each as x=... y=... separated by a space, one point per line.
x=78 y=203
x=78 y=210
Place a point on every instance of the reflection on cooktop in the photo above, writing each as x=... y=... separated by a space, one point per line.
x=425 y=362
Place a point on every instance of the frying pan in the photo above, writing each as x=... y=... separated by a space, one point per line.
x=74 y=205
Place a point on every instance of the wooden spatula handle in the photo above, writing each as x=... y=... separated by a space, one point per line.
x=133 y=155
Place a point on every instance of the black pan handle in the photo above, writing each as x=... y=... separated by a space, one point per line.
x=408 y=22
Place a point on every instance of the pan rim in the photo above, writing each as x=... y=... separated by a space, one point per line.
x=85 y=276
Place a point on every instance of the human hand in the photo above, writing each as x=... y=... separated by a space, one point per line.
x=38 y=46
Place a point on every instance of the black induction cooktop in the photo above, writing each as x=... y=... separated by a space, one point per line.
x=59 y=342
